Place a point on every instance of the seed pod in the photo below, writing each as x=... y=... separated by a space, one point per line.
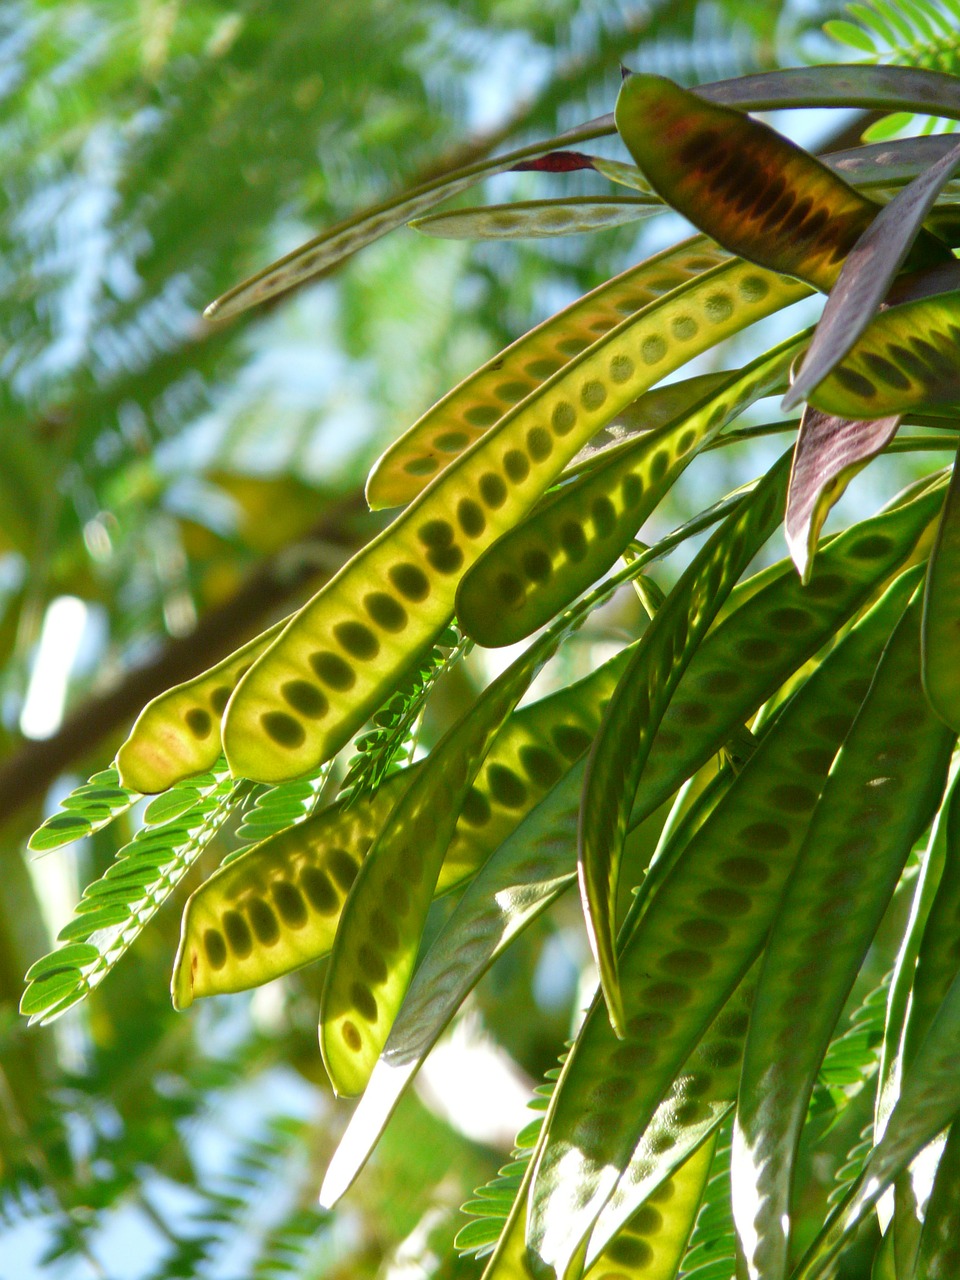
x=941 y=613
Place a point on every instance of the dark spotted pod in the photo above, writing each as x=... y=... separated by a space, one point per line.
x=750 y=189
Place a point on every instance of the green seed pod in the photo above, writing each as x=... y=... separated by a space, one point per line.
x=538 y=219
x=699 y=934
x=467 y=412
x=178 y=733
x=340 y=656
x=570 y=540
x=881 y=794
x=906 y=361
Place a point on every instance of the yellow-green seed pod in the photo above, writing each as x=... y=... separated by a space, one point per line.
x=467 y=412
x=177 y=734
x=941 y=613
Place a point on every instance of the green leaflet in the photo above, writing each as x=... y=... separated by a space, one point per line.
x=905 y=361
x=941 y=613
x=340 y=656
x=115 y=908
x=177 y=734
x=700 y=932
x=928 y=1102
x=746 y=658
x=939 y=1255
x=277 y=906
x=88 y=808
x=467 y=412
x=751 y=190
x=882 y=792
x=629 y=726
x=538 y=219
x=571 y=539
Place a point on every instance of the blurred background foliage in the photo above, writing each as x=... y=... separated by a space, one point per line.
x=168 y=488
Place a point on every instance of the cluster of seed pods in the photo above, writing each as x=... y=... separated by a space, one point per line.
x=701 y=931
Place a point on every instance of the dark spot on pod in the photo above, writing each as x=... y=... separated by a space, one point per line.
x=199 y=722
x=823 y=586
x=385 y=611
x=765 y=835
x=631 y=490
x=793 y=222
x=492 y=490
x=238 y=935
x=886 y=371
x=816 y=760
x=471 y=518
x=724 y=902
x=721 y=681
x=482 y=415
x=351 y=1037
x=757 y=649
x=363 y=1001
x=630 y=1252
x=476 y=808
x=691 y=713
x=397 y=895
x=372 y=963
x=516 y=466
x=511 y=590
x=283 y=729
x=671 y=995
x=564 y=418
x=686 y=963
x=539 y=443
x=342 y=867
x=872 y=547
x=855 y=382
x=700 y=148
x=789 y=619
x=452 y=441
x=604 y=516
x=215 y=947
x=289 y=903
x=358 y=640
x=793 y=797
x=536 y=565
x=632 y=1057
x=436 y=533
x=701 y=932
x=424 y=466
x=745 y=871
x=571 y=741
x=332 y=670
x=573 y=540
x=647 y=1221
x=411 y=582
x=539 y=765
x=219 y=697
x=724 y=1055
x=305 y=698
x=769 y=196
x=445 y=559
x=384 y=930
x=264 y=922
x=320 y=892
x=505 y=787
